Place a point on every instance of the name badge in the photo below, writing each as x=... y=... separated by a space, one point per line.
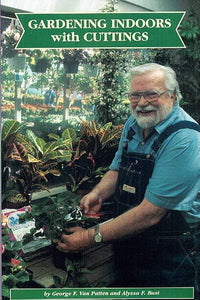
x=129 y=189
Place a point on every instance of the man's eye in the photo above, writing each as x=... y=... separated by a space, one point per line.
x=151 y=95
x=135 y=96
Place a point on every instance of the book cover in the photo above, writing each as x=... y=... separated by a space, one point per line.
x=65 y=69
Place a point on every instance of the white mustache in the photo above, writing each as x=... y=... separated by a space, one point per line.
x=147 y=108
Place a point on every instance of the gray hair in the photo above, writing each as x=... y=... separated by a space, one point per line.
x=171 y=83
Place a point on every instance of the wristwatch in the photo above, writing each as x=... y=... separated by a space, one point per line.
x=97 y=235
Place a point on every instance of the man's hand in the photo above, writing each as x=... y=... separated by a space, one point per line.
x=75 y=241
x=91 y=203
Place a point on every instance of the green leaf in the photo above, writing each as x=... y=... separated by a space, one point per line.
x=54 y=136
x=32 y=159
x=107 y=126
x=10 y=127
x=41 y=143
x=69 y=265
x=69 y=133
x=57 y=281
x=33 y=137
x=59 y=155
x=23 y=139
x=85 y=270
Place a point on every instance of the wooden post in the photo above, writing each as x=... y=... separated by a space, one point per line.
x=18 y=97
x=66 y=100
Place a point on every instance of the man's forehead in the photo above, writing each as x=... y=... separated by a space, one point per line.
x=149 y=78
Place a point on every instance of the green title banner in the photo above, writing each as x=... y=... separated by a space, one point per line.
x=103 y=293
x=101 y=30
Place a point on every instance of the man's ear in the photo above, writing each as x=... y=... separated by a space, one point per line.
x=173 y=96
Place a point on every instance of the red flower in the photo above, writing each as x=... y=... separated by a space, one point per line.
x=15 y=262
x=2 y=248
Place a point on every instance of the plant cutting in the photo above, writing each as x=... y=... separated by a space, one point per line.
x=54 y=215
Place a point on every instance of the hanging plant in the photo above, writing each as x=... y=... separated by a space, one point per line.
x=41 y=65
x=39 y=62
x=9 y=39
x=71 y=59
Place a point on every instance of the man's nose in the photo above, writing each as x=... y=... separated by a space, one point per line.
x=143 y=101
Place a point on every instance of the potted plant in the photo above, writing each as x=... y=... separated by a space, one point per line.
x=10 y=38
x=71 y=59
x=28 y=160
x=14 y=271
x=39 y=61
x=93 y=151
x=54 y=214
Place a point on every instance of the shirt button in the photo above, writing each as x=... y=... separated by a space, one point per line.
x=142 y=143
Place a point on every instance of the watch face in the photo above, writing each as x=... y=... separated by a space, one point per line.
x=98 y=238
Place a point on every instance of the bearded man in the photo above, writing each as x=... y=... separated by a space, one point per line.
x=155 y=176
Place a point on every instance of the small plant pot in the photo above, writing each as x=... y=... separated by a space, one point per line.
x=58 y=257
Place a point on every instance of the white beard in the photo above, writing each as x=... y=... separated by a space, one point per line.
x=151 y=120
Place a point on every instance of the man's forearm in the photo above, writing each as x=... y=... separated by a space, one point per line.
x=132 y=222
x=106 y=187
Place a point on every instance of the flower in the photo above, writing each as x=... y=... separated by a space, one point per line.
x=15 y=262
x=9 y=39
x=2 y=248
x=16 y=36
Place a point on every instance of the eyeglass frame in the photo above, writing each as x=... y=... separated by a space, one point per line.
x=140 y=94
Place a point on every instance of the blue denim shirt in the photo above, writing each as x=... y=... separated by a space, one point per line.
x=175 y=181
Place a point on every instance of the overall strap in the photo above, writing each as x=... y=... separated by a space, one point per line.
x=129 y=137
x=130 y=134
x=172 y=128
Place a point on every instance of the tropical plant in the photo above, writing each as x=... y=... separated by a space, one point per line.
x=33 y=157
x=93 y=151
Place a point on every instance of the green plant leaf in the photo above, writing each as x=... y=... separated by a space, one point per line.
x=41 y=143
x=23 y=139
x=85 y=270
x=54 y=136
x=59 y=156
x=32 y=159
x=33 y=137
x=10 y=127
x=57 y=281
x=69 y=265
x=69 y=133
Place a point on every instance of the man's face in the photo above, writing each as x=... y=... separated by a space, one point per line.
x=150 y=114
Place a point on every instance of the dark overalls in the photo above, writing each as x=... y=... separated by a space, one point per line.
x=165 y=254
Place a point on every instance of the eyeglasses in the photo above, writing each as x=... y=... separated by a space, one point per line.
x=149 y=96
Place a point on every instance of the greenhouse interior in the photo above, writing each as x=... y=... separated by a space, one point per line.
x=92 y=161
